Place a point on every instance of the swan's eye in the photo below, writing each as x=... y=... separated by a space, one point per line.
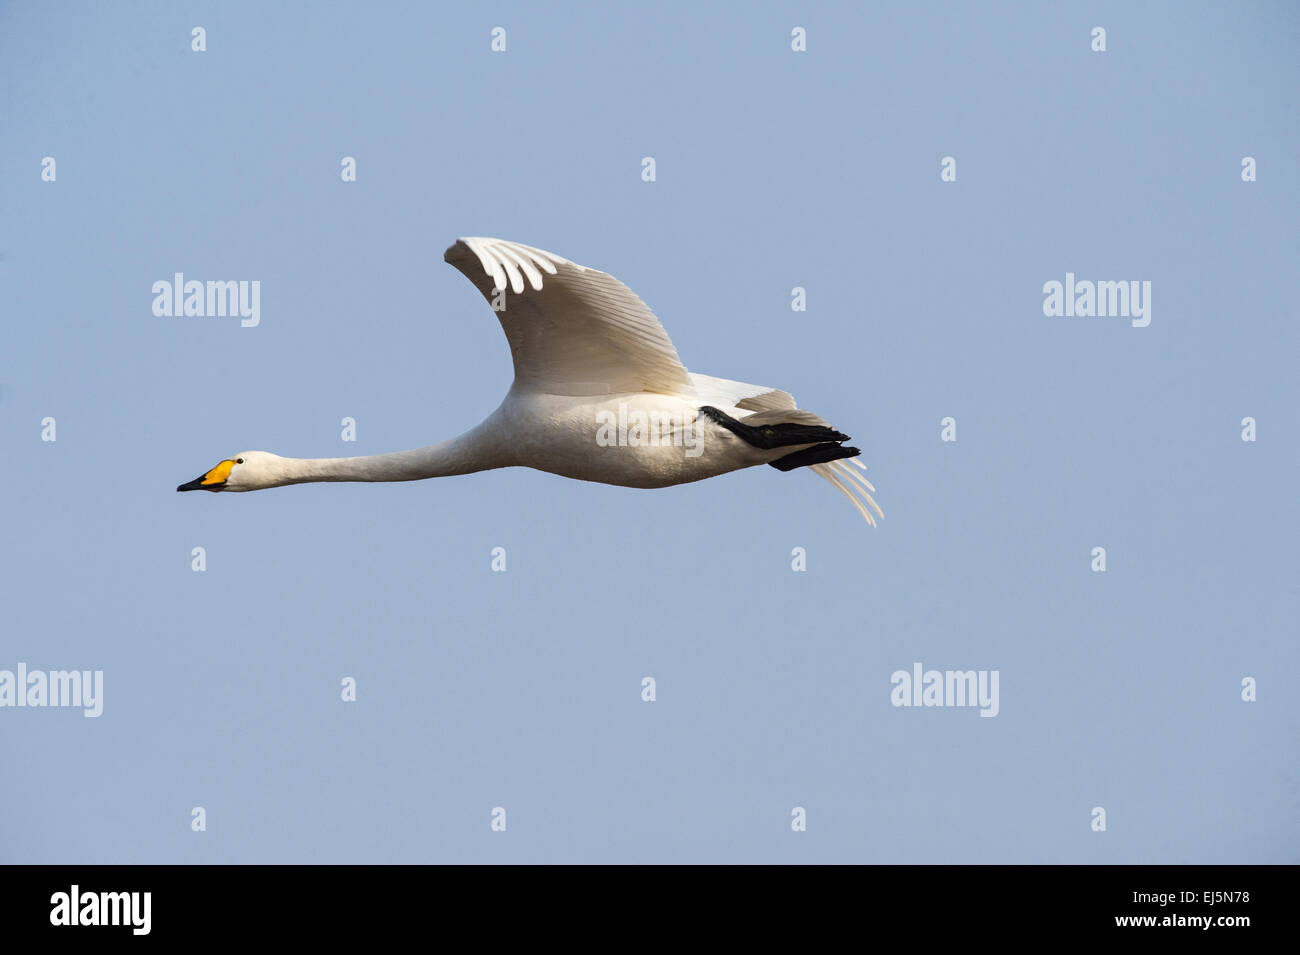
x=239 y=460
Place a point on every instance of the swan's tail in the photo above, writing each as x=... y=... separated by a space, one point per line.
x=850 y=477
x=830 y=458
x=823 y=451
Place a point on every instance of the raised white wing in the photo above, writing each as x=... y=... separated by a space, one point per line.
x=572 y=330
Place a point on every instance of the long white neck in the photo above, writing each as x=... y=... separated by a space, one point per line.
x=472 y=451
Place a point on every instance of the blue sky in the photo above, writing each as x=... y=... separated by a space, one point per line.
x=775 y=169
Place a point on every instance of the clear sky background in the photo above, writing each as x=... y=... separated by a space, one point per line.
x=521 y=689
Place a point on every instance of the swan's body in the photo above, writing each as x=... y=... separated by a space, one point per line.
x=599 y=395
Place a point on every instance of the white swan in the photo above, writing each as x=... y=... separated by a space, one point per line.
x=599 y=395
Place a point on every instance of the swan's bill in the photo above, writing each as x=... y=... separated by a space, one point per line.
x=213 y=480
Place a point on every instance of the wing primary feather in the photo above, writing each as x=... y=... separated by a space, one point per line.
x=576 y=325
x=521 y=262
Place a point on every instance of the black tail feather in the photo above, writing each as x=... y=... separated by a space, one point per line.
x=770 y=436
x=819 y=454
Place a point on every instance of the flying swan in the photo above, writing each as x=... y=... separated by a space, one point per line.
x=599 y=395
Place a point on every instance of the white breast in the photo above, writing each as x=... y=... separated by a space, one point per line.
x=631 y=440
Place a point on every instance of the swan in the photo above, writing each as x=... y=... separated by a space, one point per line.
x=599 y=394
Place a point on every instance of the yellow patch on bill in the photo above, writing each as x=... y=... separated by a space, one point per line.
x=218 y=474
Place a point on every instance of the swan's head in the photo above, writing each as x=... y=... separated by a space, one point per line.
x=248 y=471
